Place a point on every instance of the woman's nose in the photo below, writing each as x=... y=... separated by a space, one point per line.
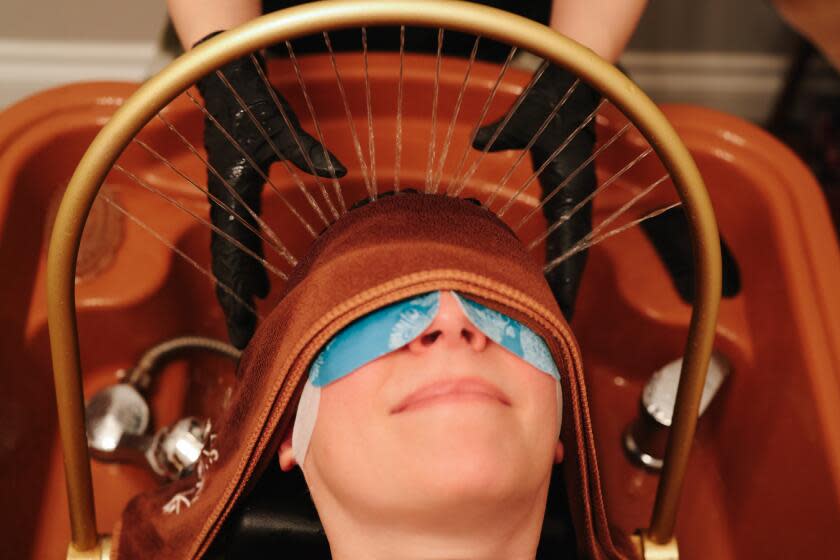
x=450 y=328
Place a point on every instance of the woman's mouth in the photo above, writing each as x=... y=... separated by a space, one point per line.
x=452 y=390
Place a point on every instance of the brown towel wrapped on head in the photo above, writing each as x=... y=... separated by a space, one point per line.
x=393 y=248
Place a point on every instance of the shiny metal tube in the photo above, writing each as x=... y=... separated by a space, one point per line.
x=325 y=16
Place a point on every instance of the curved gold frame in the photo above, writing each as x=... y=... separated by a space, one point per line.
x=326 y=16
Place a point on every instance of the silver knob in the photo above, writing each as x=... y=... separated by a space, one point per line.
x=117 y=420
x=176 y=449
x=646 y=437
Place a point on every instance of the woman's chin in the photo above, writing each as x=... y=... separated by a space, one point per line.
x=462 y=467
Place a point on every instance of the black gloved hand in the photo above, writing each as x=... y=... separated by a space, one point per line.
x=529 y=116
x=231 y=266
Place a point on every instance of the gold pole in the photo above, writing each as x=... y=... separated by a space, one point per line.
x=330 y=15
x=67 y=375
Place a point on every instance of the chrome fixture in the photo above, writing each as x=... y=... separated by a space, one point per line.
x=117 y=418
x=645 y=438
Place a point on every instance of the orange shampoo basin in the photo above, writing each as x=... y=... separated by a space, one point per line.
x=764 y=478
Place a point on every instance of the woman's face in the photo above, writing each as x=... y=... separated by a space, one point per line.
x=451 y=418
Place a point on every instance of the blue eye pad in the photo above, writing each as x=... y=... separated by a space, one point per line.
x=392 y=327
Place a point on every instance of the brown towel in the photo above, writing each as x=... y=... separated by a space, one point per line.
x=391 y=249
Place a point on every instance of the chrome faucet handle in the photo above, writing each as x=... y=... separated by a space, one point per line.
x=176 y=449
x=117 y=418
x=660 y=393
x=646 y=437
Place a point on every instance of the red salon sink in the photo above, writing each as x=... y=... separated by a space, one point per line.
x=764 y=479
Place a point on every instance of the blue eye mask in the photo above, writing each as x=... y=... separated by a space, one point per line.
x=392 y=327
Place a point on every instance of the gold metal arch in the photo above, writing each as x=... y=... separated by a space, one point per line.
x=326 y=16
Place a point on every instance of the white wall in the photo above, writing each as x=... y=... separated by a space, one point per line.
x=727 y=54
x=44 y=43
x=82 y=20
x=730 y=55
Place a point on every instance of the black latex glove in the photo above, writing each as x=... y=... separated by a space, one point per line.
x=529 y=116
x=231 y=266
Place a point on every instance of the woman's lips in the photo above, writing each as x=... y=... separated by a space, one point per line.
x=464 y=388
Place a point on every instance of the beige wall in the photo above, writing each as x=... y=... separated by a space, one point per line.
x=82 y=20
x=45 y=43
x=730 y=54
x=672 y=25
x=743 y=26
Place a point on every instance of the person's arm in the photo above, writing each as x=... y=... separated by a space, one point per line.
x=195 y=20
x=605 y=26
